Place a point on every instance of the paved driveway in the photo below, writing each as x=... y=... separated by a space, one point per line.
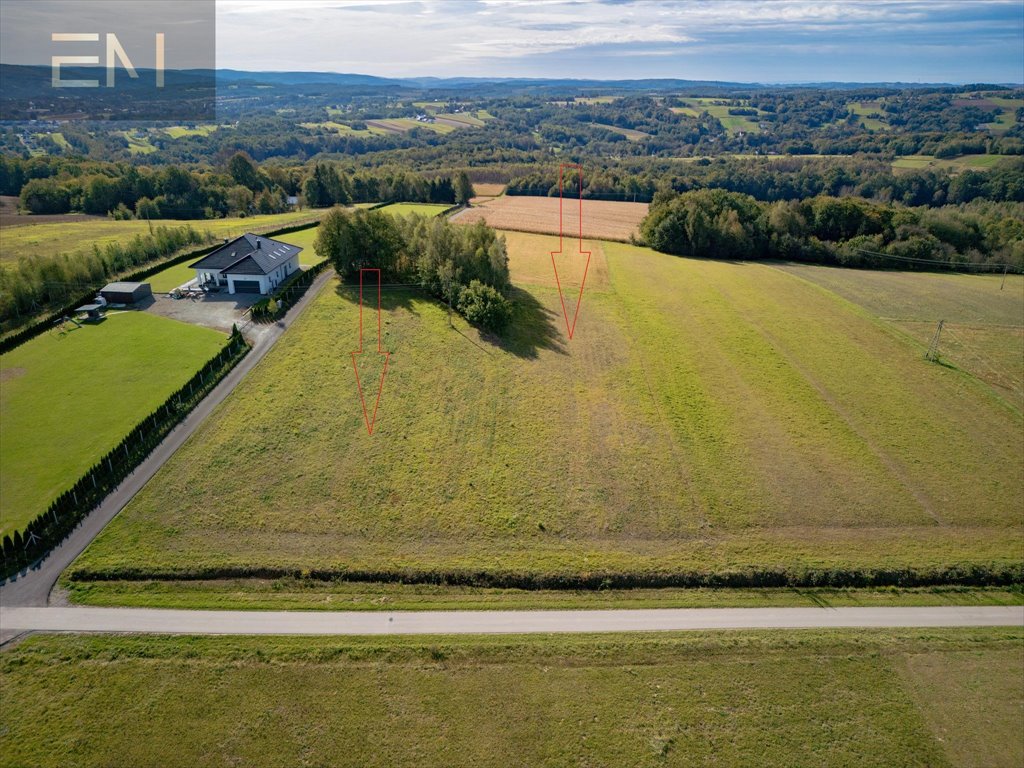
x=214 y=310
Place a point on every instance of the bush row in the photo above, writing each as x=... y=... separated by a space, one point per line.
x=963 y=574
x=290 y=291
x=66 y=511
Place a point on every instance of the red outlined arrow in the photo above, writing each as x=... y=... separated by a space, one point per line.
x=370 y=420
x=570 y=327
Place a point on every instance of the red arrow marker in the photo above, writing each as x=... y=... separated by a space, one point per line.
x=570 y=327
x=370 y=420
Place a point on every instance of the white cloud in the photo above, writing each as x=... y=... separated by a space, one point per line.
x=505 y=37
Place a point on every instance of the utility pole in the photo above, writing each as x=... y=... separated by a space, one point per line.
x=933 y=349
x=1005 y=269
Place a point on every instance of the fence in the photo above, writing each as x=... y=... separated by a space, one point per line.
x=271 y=308
x=51 y=527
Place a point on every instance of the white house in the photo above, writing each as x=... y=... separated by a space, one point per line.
x=248 y=264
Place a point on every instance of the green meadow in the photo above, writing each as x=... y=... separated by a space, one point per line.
x=421 y=209
x=932 y=698
x=706 y=417
x=69 y=397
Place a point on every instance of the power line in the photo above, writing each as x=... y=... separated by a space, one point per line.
x=992 y=267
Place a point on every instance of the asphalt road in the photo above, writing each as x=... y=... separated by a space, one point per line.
x=33 y=586
x=15 y=621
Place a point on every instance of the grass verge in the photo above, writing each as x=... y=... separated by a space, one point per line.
x=787 y=698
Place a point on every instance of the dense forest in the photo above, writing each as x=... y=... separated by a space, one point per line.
x=836 y=230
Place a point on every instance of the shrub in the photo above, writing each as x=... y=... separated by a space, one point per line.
x=484 y=306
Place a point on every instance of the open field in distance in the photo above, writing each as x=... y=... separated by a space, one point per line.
x=805 y=698
x=68 y=398
x=602 y=219
x=685 y=383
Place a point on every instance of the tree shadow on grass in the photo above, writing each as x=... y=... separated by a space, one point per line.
x=534 y=327
x=391 y=297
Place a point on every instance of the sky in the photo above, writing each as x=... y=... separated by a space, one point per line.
x=765 y=41
x=738 y=40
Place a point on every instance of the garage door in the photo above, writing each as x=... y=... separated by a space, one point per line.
x=247 y=286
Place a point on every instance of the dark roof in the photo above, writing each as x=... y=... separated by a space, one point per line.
x=122 y=287
x=247 y=266
x=248 y=255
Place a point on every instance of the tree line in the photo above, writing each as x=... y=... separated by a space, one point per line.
x=770 y=180
x=47 y=280
x=715 y=223
x=240 y=187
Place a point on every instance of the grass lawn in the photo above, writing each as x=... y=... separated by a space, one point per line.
x=68 y=399
x=650 y=443
x=170 y=278
x=71 y=236
x=787 y=698
x=304 y=239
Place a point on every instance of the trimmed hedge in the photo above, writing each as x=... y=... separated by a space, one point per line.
x=962 y=574
x=66 y=511
x=289 y=292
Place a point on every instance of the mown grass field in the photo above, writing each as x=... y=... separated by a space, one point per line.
x=962 y=163
x=707 y=417
x=72 y=236
x=984 y=316
x=812 y=698
x=422 y=209
x=180 y=131
x=69 y=398
x=629 y=133
x=866 y=108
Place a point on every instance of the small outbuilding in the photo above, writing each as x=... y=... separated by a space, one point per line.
x=126 y=293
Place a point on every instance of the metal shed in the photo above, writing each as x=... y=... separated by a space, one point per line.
x=126 y=293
